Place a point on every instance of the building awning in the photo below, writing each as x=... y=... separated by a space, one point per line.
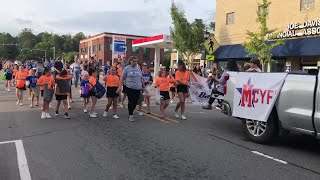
x=293 y=47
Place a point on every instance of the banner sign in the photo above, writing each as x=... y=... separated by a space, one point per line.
x=199 y=89
x=255 y=94
x=119 y=47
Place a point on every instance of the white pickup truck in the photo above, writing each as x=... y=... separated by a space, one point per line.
x=297 y=108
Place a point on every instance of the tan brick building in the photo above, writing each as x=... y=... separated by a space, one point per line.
x=298 y=22
x=100 y=47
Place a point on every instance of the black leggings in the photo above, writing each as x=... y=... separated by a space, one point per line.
x=212 y=99
x=133 y=97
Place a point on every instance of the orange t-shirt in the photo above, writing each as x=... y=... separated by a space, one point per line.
x=184 y=77
x=163 y=83
x=112 y=81
x=21 y=79
x=120 y=71
x=15 y=72
x=46 y=80
x=92 y=82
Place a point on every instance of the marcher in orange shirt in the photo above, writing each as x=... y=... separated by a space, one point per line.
x=46 y=80
x=21 y=84
x=93 y=81
x=112 y=82
x=163 y=84
x=182 y=79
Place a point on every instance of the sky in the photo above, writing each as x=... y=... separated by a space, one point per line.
x=140 y=17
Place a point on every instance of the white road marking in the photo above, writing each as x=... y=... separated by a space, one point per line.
x=22 y=159
x=269 y=157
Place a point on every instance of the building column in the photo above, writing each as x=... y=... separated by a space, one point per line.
x=156 y=61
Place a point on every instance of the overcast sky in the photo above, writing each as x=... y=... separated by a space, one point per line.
x=141 y=17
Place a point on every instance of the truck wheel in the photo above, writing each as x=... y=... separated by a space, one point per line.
x=261 y=132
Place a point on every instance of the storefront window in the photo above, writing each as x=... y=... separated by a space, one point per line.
x=135 y=49
x=278 y=66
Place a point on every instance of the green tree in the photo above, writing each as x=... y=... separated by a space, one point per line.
x=188 y=38
x=167 y=58
x=212 y=26
x=257 y=44
x=69 y=57
x=76 y=40
x=8 y=52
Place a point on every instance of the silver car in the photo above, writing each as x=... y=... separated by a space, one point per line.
x=297 y=108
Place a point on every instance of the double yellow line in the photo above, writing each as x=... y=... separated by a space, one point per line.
x=157 y=117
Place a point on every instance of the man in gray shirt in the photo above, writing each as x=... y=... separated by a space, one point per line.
x=132 y=78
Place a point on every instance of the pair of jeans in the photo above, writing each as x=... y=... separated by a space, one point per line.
x=76 y=76
x=133 y=98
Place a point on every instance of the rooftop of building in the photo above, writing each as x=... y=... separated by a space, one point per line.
x=109 y=34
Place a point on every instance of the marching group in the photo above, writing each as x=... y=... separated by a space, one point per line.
x=126 y=79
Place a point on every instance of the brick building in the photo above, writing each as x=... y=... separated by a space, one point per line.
x=100 y=46
x=298 y=24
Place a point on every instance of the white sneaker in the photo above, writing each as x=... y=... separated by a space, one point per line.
x=21 y=104
x=131 y=119
x=8 y=90
x=105 y=114
x=176 y=115
x=85 y=111
x=48 y=116
x=140 y=113
x=171 y=101
x=115 y=117
x=43 y=115
x=93 y=115
x=183 y=117
x=17 y=102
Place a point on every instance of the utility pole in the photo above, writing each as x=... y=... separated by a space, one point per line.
x=54 y=53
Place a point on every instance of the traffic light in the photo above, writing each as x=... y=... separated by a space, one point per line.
x=21 y=49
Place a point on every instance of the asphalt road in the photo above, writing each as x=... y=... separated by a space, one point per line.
x=208 y=145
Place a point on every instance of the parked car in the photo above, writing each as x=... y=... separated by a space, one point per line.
x=297 y=108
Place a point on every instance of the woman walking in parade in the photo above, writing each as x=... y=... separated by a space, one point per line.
x=112 y=82
x=182 y=79
x=132 y=77
x=8 y=73
x=21 y=77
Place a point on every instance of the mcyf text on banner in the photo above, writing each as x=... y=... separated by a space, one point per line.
x=256 y=94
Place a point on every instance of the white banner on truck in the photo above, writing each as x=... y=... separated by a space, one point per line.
x=255 y=94
x=199 y=89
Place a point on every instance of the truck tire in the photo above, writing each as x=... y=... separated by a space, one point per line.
x=262 y=132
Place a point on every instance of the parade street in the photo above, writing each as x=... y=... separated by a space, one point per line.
x=209 y=145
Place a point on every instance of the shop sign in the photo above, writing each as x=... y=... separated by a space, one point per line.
x=307 y=28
